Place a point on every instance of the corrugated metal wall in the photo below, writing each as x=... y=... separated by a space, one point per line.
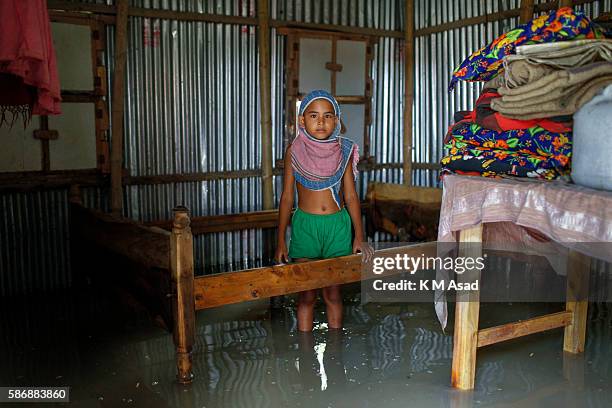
x=192 y=106
x=436 y=56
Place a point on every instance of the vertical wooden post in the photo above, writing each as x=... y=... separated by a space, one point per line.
x=466 y=315
x=526 y=11
x=408 y=89
x=566 y=3
x=118 y=107
x=181 y=265
x=263 y=30
x=74 y=194
x=46 y=155
x=577 y=301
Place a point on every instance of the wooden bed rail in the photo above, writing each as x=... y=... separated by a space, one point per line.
x=260 y=283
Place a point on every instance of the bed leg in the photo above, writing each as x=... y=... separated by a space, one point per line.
x=467 y=310
x=181 y=264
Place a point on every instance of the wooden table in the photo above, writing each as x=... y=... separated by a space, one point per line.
x=470 y=202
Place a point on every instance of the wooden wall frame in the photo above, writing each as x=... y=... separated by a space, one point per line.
x=292 y=94
x=97 y=96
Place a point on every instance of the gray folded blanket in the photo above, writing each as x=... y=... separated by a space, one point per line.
x=555 y=93
x=532 y=62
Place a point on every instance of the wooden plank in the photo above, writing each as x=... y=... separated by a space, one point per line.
x=74 y=96
x=408 y=89
x=181 y=265
x=118 y=107
x=365 y=165
x=565 y=3
x=235 y=287
x=191 y=16
x=80 y=7
x=466 y=22
x=488 y=18
x=335 y=28
x=265 y=102
x=513 y=330
x=107 y=14
x=577 y=302
x=147 y=246
x=227 y=222
x=46 y=134
x=466 y=317
x=191 y=177
x=351 y=100
x=527 y=7
x=79 y=18
x=36 y=180
x=392 y=191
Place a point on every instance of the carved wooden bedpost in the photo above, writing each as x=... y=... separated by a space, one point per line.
x=181 y=265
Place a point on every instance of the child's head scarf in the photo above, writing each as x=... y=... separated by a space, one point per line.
x=320 y=164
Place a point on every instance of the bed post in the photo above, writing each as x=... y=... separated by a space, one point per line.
x=181 y=265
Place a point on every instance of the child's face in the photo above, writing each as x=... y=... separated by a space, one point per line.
x=319 y=119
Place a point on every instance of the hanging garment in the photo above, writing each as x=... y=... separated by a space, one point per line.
x=29 y=81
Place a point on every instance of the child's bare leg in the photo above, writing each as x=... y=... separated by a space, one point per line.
x=333 y=302
x=305 y=308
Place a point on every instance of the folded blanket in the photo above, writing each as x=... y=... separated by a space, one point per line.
x=521 y=72
x=535 y=142
x=495 y=164
x=562 y=55
x=560 y=25
x=532 y=62
x=486 y=117
x=561 y=92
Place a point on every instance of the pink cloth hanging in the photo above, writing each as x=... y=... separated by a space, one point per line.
x=27 y=58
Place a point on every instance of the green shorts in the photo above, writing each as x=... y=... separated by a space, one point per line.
x=320 y=236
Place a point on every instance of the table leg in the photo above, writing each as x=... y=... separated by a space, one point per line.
x=577 y=302
x=466 y=315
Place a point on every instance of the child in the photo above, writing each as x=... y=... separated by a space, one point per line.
x=324 y=164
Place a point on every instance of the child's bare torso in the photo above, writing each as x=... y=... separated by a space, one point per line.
x=317 y=202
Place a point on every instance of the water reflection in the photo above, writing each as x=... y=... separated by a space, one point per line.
x=248 y=356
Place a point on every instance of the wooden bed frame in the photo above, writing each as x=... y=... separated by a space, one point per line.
x=170 y=254
x=165 y=263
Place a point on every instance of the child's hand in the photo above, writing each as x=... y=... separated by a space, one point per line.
x=365 y=248
x=281 y=253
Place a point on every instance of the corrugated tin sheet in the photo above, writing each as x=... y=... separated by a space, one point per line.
x=192 y=106
x=436 y=56
x=33 y=242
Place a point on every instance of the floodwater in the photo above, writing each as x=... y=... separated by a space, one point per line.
x=387 y=355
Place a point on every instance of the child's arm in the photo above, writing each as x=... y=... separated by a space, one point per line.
x=354 y=208
x=284 y=208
